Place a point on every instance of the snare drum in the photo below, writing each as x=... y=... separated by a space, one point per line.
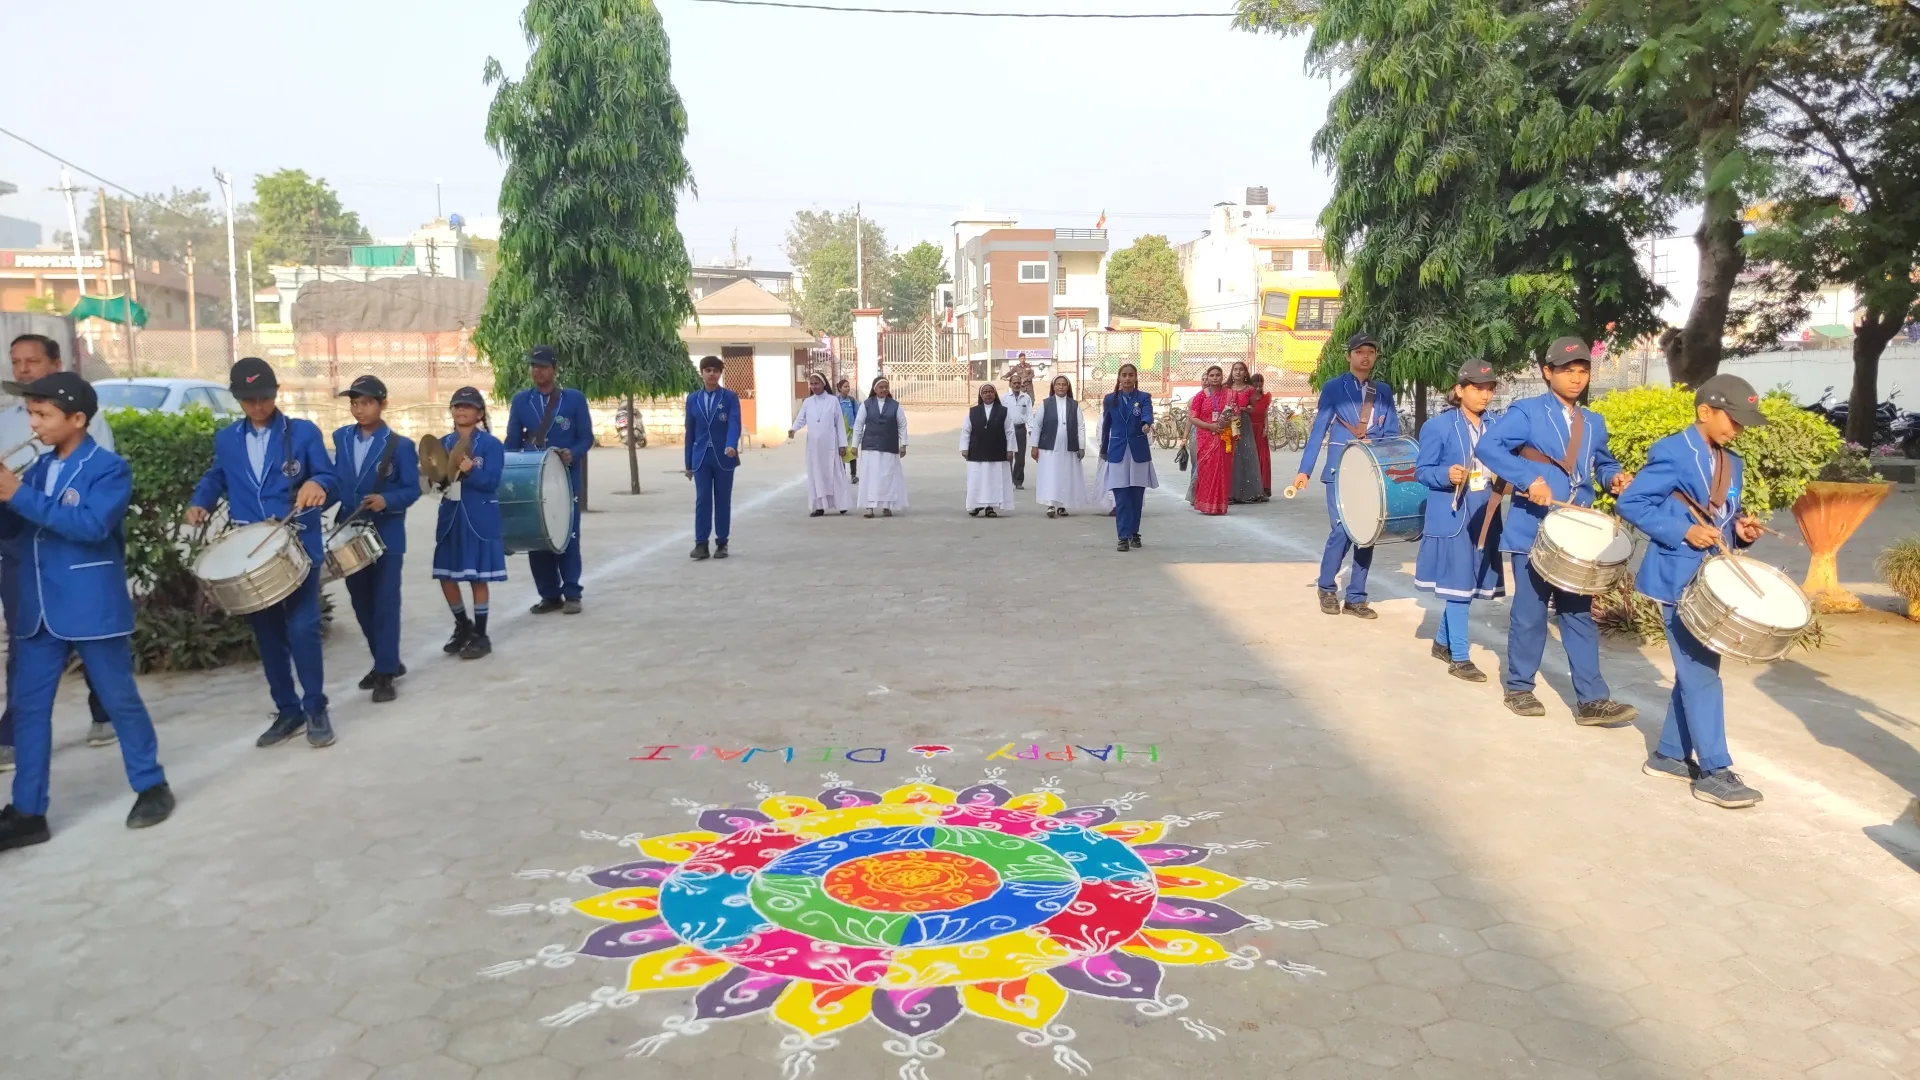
x=1730 y=617
x=351 y=550
x=536 y=502
x=253 y=567
x=1581 y=550
x=1377 y=497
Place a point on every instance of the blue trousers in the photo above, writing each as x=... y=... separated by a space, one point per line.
x=1454 y=629
x=1696 y=712
x=9 y=583
x=288 y=634
x=1128 y=502
x=375 y=593
x=712 y=500
x=1527 y=633
x=557 y=573
x=43 y=659
x=1337 y=544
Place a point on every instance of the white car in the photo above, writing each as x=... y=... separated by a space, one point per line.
x=166 y=395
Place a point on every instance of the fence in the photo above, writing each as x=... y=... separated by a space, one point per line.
x=923 y=366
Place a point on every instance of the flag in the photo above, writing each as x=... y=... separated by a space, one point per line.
x=1102 y=223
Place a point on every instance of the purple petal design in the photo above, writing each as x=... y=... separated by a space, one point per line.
x=1199 y=916
x=737 y=993
x=728 y=820
x=840 y=798
x=646 y=872
x=625 y=940
x=1171 y=854
x=1111 y=975
x=1087 y=816
x=983 y=795
x=917 y=1012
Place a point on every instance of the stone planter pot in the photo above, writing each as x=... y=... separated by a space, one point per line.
x=1828 y=513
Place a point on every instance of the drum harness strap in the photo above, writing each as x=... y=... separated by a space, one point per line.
x=1366 y=414
x=385 y=467
x=546 y=421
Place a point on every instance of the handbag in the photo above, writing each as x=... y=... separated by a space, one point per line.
x=1180 y=458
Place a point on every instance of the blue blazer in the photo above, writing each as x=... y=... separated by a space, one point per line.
x=1540 y=423
x=1341 y=397
x=479 y=501
x=713 y=427
x=73 y=552
x=400 y=486
x=1677 y=463
x=572 y=428
x=1122 y=415
x=251 y=499
x=1447 y=441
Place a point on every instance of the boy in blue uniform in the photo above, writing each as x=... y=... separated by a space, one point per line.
x=1550 y=450
x=66 y=513
x=548 y=415
x=713 y=452
x=271 y=466
x=1352 y=406
x=379 y=477
x=1687 y=473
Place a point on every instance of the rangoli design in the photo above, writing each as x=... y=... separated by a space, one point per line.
x=908 y=908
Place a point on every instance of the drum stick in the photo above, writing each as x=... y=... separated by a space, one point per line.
x=1720 y=542
x=1576 y=506
x=346 y=521
x=277 y=526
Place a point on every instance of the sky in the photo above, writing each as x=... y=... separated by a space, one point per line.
x=917 y=118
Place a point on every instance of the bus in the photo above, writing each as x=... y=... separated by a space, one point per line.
x=1297 y=313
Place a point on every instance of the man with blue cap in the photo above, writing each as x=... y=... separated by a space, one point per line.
x=545 y=416
x=1353 y=407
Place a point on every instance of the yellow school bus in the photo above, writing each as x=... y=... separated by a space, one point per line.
x=1297 y=314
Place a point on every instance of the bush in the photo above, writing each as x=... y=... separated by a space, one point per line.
x=1848 y=465
x=1782 y=457
x=1899 y=567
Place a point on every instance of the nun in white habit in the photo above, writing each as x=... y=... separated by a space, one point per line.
x=880 y=431
x=987 y=442
x=1058 y=435
x=827 y=486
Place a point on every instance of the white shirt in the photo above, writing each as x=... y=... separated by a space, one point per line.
x=53 y=475
x=1019 y=405
x=257 y=451
x=16 y=428
x=361 y=444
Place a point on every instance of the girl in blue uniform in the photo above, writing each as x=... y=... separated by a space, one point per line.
x=1460 y=545
x=467 y=536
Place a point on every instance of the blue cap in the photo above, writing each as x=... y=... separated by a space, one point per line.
x=540 y=355
x=467 y=395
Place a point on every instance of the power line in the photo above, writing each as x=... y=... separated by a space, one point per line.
x=974 y=14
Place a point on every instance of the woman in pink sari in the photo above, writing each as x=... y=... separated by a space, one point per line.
x=1212 y=462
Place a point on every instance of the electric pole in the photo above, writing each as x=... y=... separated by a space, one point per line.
x=79 y=274
x=133 y=281
x=193 y=315
x=859 y=259
x=233 y=282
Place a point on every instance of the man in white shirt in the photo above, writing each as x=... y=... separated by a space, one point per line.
x=35 y=356
x=1019 y=403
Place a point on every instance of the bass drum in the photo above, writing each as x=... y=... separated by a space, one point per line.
x=536 y=502
x=1379 y=499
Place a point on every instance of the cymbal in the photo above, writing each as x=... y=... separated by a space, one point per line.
x=434 y=465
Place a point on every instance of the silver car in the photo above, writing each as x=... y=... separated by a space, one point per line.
x=167 y=395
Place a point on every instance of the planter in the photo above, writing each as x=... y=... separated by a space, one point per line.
x=1828 y=513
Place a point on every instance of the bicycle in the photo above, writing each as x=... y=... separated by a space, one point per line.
x=1170 y=426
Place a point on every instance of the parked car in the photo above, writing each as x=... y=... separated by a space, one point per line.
x=167 y=395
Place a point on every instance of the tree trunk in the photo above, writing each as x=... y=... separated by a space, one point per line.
x=1419 y=408
x=633 y=454
x=1869 y=341
x=1721 y=260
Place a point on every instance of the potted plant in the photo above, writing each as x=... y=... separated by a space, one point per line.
x=1840 y=497
x=1899 y=567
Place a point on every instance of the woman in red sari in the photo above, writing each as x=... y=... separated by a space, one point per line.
x=1211 y=413
x=1258 y=407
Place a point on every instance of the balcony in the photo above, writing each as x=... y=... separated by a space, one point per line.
x=1080 y=239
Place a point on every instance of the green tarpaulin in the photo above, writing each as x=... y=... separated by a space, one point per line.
x=111 y=308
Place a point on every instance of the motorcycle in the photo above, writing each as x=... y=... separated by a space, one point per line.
x=620 y=421
x=1885 y=416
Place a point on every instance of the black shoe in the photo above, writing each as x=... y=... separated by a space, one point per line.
x=383 y=689
x=477 y=646
x=319 y=730
x=1465 y=669
x=368 y=680
x=1063 y=511
x=100 y=733
x=699 y=551
x=991 y=512
x=818 y=513
x=975 y=512
x=1124 y=546
x=546 y=606
x=1135 y=540
x=1721 y=787
x=1441 y=652
x=462 y=630
x=1053 y=511
x=1329 y=602
x=571 y=607
x=19 y=830
x=285 y=726
x=1360 y=609
x=152 y=807
x=1604 y=713
x=6 y=759
x=1658 y=764
x=720 y=550
x=1523 y=703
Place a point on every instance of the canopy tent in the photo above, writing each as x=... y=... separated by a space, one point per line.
x=111 y=308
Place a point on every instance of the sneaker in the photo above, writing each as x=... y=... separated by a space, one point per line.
x=571 y=607
x=1523 y=703
x=991 y=512
x=1465 y=669
x=462 y=630
x=699 y=551
x=1124 y=546
x=975 y=512
x=1329 y=602
x=383 y=690
x=1135 y=540
x=1604 y=713
x=546 y=606
x=720 y=550
x=1658 y=764
x=1360 y=609
x=1441 y=652
x=1721 y=787
x=368 y=680
x=476 y=647
x=152 y=807
x=100 y=733
x=319 y=730
x=6 y=759
x=285 y=726
x=19 y=830
x=402 y=671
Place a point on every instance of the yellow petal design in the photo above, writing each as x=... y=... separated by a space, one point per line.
x=672 y=969
x=918 y=793
x=1133 y=832
x=1013 y=955
x=1175 y=947
x=1031 y=1002
x=835 y=822
x=622 y=905
x=675 y=847
x=1037 y=802
x=781 y=807
x=819 y=1008
x=1195 y=882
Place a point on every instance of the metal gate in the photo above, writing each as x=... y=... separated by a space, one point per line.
x=923 y=367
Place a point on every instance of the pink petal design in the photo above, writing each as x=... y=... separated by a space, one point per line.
x=1112 y=975
x=1171 y=854
x=1198 y=916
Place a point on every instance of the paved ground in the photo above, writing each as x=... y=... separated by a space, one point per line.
x=1453 y=892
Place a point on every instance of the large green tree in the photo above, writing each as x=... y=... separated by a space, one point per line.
x=917 y=271
x=300 y=220
x=821 y=247
x=165 y=226
x=1143 y=282
x=591 y=261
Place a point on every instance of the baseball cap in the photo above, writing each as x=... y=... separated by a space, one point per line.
x=1358 y=340
x=1477 y=373
x=252 y=378
x=467 y=395
x=540 y=356
x=1568 y=350
x=1729 y=393
x=366 y=386
x=64 y=388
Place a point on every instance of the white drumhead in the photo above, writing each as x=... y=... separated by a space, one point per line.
x=342 y=537
x=556 y=498
x=1588 y=535
x=228 y=556
x=1780 y=603
x=1361 y=494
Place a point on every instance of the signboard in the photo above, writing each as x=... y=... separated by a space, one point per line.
x=1031 y=354
x=48 y=260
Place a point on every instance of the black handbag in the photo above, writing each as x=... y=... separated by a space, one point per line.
x=1180 y=459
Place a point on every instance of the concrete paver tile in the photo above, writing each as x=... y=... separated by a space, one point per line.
x=1571 y=1043
x=1508 y=970
x=1391 y=1004
x=1478 y=1044
x=338 y=1067
x=1421 y=971
x=1441 y=940
x=399 y=1041
x=1495 y=1006
x=499 y=1041
x=428 y=1068
x=1672 y=1044
x=1895 y=1052
x=528 y=1069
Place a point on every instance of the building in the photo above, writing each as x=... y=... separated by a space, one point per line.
x=1014 y=287
x=17 y=232
x=46 y=275
x=760 y=338
x=1245 y=244
x=439 y=248
x=705 y=280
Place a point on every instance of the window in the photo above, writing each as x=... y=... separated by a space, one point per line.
x=1318 y=312
x=1280 y=260
x=129 y=396
x=1274 y=305
x=1316 y=259
x=1033 y=326
x=1031 y=272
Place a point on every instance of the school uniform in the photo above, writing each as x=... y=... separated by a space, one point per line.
x=713 y=428
x=259 y=472
x=1348 y=410
x=65 y=524
x=386 y=465
x=1127 y=456
x=1459 y=559
x=555 y=573
x=466 y=535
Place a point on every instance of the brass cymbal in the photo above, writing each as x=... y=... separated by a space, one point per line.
x=434 y=466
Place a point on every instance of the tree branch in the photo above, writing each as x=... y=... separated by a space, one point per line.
x=1826 y=129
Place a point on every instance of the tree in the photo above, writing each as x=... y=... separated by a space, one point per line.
x=164 y=225
x=910 y=294
x=301 y=221
x=820 y=246
x=1143 y=282
x=591 y=261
